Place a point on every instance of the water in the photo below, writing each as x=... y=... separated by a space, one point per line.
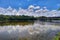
x=32 y=30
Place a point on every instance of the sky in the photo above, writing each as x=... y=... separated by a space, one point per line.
x=50 y=4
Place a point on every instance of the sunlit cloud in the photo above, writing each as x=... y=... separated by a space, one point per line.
x=32 y=10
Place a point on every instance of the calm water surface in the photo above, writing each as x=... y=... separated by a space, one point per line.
x=36 y=30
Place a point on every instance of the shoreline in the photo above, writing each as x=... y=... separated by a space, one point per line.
x=7 y=18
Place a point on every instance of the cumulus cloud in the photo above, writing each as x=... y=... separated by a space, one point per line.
x=32 y=10
x=37 y=7
x=31 y=7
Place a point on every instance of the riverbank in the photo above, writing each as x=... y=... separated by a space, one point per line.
x=57 y=37
x=5 y=18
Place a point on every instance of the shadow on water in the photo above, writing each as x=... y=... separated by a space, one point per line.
x=28 y=30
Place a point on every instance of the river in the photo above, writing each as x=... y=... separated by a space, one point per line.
x=32 y=30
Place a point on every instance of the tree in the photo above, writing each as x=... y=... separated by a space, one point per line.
x=58 y=8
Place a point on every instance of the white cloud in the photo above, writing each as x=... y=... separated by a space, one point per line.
x=31 y=7
x=44 y=7
x=9 y=8
x=30 y=11
x=37 y=7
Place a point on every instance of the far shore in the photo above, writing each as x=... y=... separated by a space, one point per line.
x=9 y=18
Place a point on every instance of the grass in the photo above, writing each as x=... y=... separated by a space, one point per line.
x=57 y=37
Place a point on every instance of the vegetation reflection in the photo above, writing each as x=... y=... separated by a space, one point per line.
x=16 y=23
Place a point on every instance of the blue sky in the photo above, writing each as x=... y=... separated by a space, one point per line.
x=50 y=4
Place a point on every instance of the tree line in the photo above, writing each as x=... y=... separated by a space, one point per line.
x=25 y=18
x=16 y=18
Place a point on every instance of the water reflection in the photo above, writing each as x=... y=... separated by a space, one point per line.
x=28 y=30
x=16 y=23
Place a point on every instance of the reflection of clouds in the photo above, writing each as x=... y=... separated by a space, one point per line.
x=23 y=31
x=17 y=31
x=32 y=10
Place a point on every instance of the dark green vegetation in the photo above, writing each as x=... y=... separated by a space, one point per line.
x=48 y=18
x=57 y=37
x=58 y=8
x=5 y=18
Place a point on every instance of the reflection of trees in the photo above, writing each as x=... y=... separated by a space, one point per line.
x=16 y=23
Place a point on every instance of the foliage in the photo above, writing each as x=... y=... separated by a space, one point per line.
x=58 y=8
x=16 y=18
x=57 y=37
x=4 y=18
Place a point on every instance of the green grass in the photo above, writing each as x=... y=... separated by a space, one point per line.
x=57 y=37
